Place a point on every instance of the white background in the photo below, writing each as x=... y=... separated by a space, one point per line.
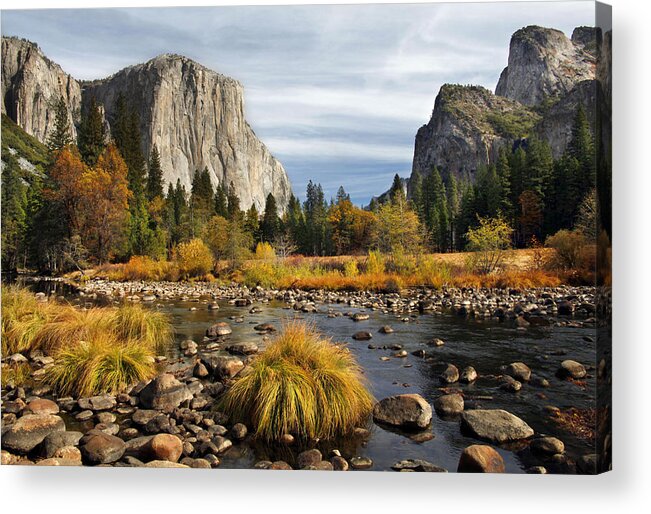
x=626 y=489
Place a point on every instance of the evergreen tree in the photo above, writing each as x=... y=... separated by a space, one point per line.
x=252 y=223
x=61 y=135
x=503 y=169
x=270 y=227
x=581 y=148
x=221 y=201
x=234 y=211
x=295 y=223
x=154 y=176
x=396 y=188
x=91 y=139
x=14 y=218
x=315 y=208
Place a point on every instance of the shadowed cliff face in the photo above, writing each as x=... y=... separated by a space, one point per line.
x=31 y=85
x=194 y=115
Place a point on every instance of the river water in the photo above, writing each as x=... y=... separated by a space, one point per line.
x=485 y=345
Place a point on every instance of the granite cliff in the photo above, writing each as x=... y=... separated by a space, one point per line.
x=194 y=116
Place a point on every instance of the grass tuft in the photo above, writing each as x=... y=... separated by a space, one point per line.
x=303 y=384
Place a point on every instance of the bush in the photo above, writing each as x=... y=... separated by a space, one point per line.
x=193 y=259
x=303 y=385
x=488 y=243
x=350 y=268
x=100 y=366
x=264 y=251
x=136 y=323
x=375 y=263
x=568 y=245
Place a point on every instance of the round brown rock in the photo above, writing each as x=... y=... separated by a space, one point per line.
x=408 y=411
x=449 y=404
x=29 y=431
x=165 y=447
x=480 y=458
x=41 y=406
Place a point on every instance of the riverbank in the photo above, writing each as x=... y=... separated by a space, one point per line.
x=410 y=346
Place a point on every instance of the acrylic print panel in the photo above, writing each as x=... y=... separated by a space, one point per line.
x=332 y=276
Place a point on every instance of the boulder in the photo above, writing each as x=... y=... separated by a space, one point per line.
x=519 y=371
x=418 y=465
x=468 y=375
x=571 y=369
x=407 y=411
x=164 y=393
x=224 y=367
x=41 y=406
x=449 y=404
x=495 y=425
x=100 y=448
x=547 y=445
x=95 y=403
x=29 y=431
x=360 y=463
x=339 y=463
x=360 y=316
x=386 y=329
x=239 y=431
x=165 y=447
x=57 y=440
x=164 y=464
x=450 y=374
x=219 y=329
x=480 y=458
x=308 y=458
x=508 y=383
x=242 y=348
x=362 y=335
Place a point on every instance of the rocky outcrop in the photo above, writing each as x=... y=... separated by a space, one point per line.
x=544 y=63
x=196 y=119
x=31 y=86
x=194 y=116
x=468 y=126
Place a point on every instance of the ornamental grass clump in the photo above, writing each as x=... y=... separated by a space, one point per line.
x=102 y=365
x=304 y=385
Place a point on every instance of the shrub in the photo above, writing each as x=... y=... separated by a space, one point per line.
x=135 y=323
x=351 y=269
x=264 y=251
x=568 y=245
x=375 y=263
x=302 y=384
x=102 y=365
x=488 y=242
x=193 y=258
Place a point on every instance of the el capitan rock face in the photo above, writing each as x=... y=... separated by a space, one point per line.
x=194 y=115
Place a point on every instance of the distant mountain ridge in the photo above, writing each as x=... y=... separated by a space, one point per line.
x=194 y=116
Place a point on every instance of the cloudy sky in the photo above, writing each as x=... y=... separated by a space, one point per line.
x=336 y=92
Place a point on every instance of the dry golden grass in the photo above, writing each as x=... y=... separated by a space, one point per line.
x=303 y=385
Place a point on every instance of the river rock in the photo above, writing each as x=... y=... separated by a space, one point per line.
x=308 y=458
x=480 y=458
x=143 y=416
x=225 y=367
x=41 y=406
x=200 y=370
x=96 y=403
x=449 y=404
x=164 y=393
x=265 y=327
x=519 y=370
x=239 y=431
x=339 y=463
x=386 y=329
x=165 y=447
x=495 y=425
x=164 y=464
x=68 y=453
x=361 y=462
x=360 y=316
x=571 y=369
x=418 y=465
x=242 y=348
x=58 y=440
x=547 y=445
x=280 y=465
x=450 y=374
x=508 y=383
x=362 y=335
x=407 y=411
x=468 y=375
x=219 y=329
x=100 y=448
x=29 y=431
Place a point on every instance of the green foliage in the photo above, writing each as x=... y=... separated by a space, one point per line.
x=91 y=137
x=568 y=245
x=351 y=269
x=302 y=385
x=194 y=259
x=154 y=175
x=61 y=135
x=270 y=227
x=514 y=124
x=375 y=263
x=489 y=241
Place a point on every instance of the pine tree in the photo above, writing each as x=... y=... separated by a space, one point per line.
x=252 y=223
x=270 y=226
x=581 y=147
x=154 y=176
x=503 y=169
x=295 y=223
x=61 y=135
x=91 y=139
x=234 y=212
x=14 y=217
x=396 y=188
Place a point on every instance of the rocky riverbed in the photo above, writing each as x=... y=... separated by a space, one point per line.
x=466 y=380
